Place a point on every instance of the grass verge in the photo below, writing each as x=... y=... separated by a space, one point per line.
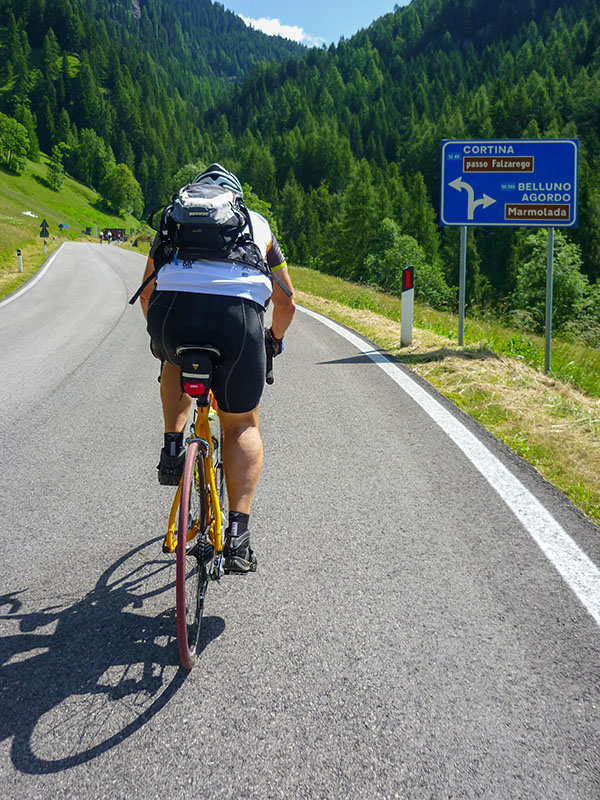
x=571 y=362
x=548 y=420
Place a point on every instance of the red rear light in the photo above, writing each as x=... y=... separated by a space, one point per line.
x=195 y=388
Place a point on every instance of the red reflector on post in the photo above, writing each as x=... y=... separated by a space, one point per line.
x=408 y=278
x=195 y=388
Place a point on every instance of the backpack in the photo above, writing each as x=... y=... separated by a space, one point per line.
x=206 y=222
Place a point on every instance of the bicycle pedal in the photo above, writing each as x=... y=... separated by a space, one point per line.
x=216 y=569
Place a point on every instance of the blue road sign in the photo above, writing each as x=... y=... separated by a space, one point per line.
x=516 y=182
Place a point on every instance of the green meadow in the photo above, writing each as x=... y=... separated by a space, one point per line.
x=74 y=205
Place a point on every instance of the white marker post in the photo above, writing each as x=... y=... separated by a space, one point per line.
x=408 y=301
x=20 y=260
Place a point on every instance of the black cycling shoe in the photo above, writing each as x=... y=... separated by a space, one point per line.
x=237 y=553
x=170 y=468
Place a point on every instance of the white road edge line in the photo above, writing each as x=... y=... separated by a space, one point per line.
x=33 y=281
x=576 y=568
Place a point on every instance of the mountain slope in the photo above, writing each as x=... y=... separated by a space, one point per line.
x=387 y=97
x=137 y=73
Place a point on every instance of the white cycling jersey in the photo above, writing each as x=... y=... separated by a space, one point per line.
x=225 y=277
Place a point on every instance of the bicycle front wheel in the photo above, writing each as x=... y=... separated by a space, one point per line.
x=192 y=568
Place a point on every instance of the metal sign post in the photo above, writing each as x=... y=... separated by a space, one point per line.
x=549 y=294
x=462 y=285
x=44 y=234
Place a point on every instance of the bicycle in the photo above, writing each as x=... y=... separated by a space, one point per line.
x=199 y=499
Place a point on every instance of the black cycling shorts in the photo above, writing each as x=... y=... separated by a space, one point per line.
x=233 y=324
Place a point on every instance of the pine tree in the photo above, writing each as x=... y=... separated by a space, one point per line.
x=357 y=225
x=56 y=171
x=50 y=55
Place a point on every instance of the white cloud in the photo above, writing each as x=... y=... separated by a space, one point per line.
x=274 y=27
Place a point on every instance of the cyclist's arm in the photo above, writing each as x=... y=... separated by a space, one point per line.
x=147 y=291
x=284 y=307
x=150 y=267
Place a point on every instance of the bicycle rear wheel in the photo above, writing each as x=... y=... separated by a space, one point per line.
x=192 y=569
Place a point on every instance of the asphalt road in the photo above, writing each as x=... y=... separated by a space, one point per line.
x=405 y=635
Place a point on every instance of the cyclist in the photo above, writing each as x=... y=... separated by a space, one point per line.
x=222 y=304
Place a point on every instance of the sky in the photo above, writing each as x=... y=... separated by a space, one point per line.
x=311 y=22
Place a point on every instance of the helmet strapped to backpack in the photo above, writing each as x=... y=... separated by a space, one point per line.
x=216 y=175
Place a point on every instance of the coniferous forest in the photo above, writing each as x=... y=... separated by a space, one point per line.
x=343 y=143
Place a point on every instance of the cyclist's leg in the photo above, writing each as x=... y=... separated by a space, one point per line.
x=238 y=383
x=242 y=457
x=176 y=404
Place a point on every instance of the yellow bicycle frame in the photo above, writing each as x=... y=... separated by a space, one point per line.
x=201 y=430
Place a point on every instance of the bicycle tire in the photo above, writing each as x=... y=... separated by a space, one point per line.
x=191 y=568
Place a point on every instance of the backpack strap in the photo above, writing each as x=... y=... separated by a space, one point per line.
x=144 y=284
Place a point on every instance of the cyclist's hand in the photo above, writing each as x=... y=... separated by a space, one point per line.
x=273 y=346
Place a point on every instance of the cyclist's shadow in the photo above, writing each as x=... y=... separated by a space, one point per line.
x=97 y=654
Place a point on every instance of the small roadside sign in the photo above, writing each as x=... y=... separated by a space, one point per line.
x=510 y=183
x=44 y=230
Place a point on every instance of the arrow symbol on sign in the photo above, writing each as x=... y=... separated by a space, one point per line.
x=484 y=201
